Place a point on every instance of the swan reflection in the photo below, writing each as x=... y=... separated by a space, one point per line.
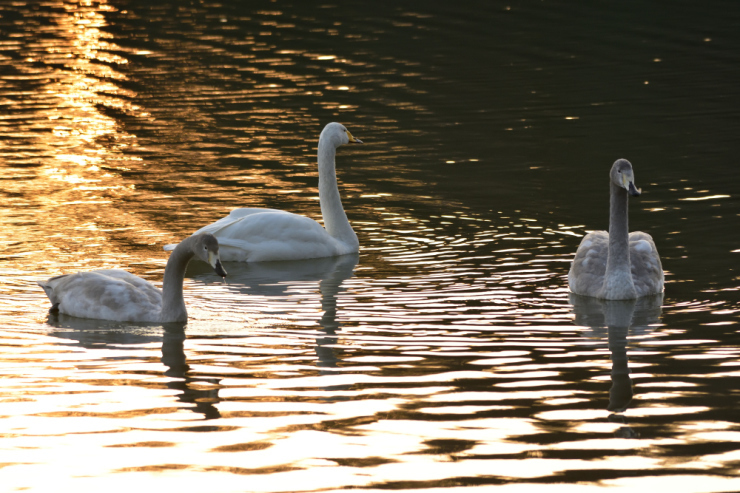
x=173 y=357
x=97 y=334
x=618 y=318
x=330 y=287
x=282 y=280
x=266 y=279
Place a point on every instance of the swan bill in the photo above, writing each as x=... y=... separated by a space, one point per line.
x=219 y=269
x=215 y=262
x=352 y=139
x=628 y=182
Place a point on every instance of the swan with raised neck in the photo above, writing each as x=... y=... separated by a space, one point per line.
x=335 y=219
x=617 y=265
x=258 y=235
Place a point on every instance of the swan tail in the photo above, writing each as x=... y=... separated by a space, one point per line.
x=49 y=290
x=170 y=247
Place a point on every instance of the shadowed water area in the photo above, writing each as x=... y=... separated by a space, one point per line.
x=449 y=353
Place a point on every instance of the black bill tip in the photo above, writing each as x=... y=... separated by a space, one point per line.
x=219 y=269
x=633 y=191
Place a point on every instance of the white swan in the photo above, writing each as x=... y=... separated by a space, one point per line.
x=258 y=235
x=617 y=265
x=112 y=294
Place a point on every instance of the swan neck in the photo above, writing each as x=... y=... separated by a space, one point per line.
x=618 y=228
x=173 y=302
x=618 y=282
x=335 y=219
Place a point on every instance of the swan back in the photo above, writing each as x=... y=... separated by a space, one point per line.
x=647 y=270
x=108 y=294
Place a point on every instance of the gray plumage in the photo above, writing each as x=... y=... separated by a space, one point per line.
x=113 y=294
x=617 y=265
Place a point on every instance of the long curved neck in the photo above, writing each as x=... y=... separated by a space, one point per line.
x=335 y=219
x=618 y=275
x=173 y=303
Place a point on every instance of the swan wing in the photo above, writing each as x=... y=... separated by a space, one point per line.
x=586 y=275
x=234 y=216
x=647 y=270
x=105 y=294
x=275 y=235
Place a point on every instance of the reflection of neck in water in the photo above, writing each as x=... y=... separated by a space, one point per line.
x=276 y=280
x=620 y=394
x=618 y=317
x=173 y=357
x=104 y=333
x=329 y=288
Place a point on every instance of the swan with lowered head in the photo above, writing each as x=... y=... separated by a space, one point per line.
x=617 y=265
x=258 y=235
x=113 y=294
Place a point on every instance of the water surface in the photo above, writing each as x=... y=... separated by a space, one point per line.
x=448 y=354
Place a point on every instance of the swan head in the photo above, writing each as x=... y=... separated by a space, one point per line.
x=623 y=176
x=206 y=249
x=338 y=135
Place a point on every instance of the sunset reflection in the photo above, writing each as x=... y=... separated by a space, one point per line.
x=66 y=153
x=448 y=353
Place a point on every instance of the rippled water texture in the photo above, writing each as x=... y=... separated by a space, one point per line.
x=448 y=354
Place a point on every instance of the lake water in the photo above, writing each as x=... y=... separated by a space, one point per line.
x=448 y=354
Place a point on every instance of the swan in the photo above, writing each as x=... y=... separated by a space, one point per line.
x=113 y=294
x=258 y=235
x=617 y=265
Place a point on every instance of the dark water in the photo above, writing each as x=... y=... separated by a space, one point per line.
x=448 y=354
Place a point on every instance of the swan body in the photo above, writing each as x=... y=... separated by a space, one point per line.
x=617 y=265
x=258 y=235
x=113 y=294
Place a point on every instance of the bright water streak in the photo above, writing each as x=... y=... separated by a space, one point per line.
x=448 y=353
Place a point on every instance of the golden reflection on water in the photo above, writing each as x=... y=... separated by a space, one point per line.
x=66 y=151
x=448 y=350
